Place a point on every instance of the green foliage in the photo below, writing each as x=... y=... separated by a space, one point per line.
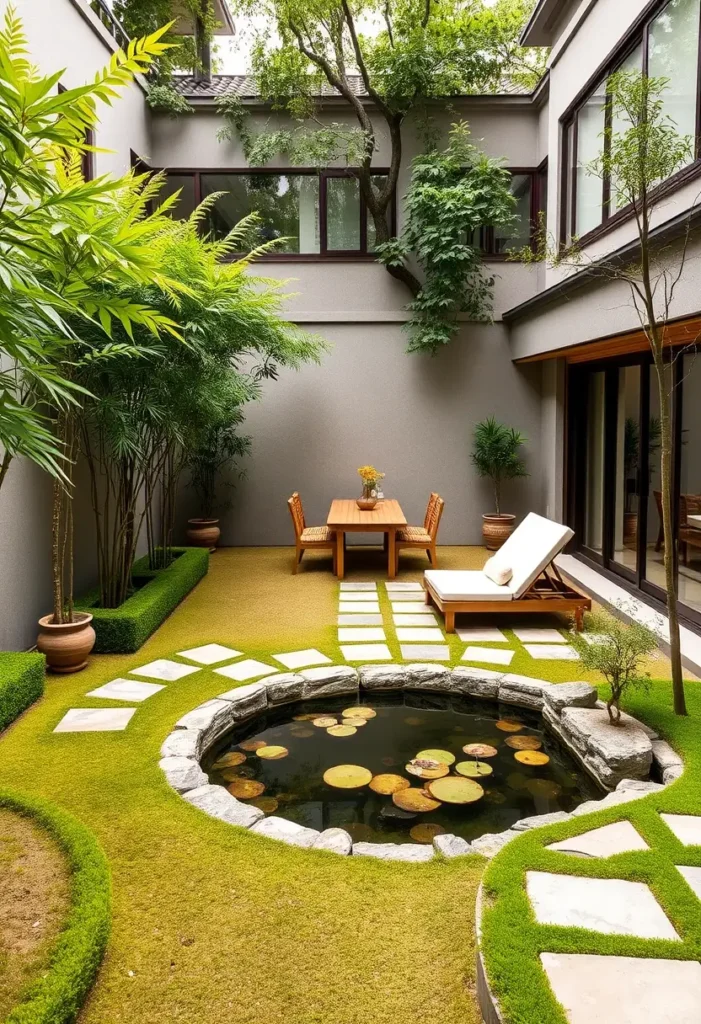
x=164 y=99
x=58 y=995
x=451 y=196
x=141 y=17
x=618 y=654
x=218 y=448
x=21 y=683
x=496 y=455
x=125 y=629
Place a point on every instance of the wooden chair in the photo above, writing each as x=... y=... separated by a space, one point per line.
x=689 y=505
x=423 y=537
x=319 y=538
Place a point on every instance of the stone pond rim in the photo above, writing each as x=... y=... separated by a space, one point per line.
x=620 y=759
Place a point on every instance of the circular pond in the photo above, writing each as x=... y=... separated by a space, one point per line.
x=399 y=767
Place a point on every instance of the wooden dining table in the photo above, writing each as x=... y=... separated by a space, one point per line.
x=345 y=517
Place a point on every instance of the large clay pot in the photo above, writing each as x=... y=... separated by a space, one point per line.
x=630 y=530
x=66 y=645
x=203 y=533
x=496 y=529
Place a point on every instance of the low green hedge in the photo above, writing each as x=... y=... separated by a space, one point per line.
x=123 y=630
x=21 y=683
x=57 y=996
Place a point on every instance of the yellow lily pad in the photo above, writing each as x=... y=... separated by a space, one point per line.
x=229 y=760
x=480 y=750
x=509 y=725
x=387 y=784
x=415 y=800
x=324 y=722
x=272 y=753
x=359 y=711
x=246 y=789
x=454 y=789
x=427 y=769
x=301 y=732
x=357 y=723
x=342 y=730
x=425 y=833
x=347 y=776
x=473 y=769
x=252 y=745
x=524 y=742
x=543 y=788
x=442 y=756
x=267 y=804
x=533 y=758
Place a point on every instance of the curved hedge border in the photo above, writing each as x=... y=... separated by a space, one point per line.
x=56 y=998
x=125 y=629
x=21 y=683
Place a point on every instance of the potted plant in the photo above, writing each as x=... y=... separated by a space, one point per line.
x=216 y=448
x=496 y=455
x=631 y=456
x=370 y=477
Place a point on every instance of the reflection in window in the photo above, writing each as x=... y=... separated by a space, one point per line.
x=185 y=185
x=287 y=204
x=690 y=498
x=343 y=214
x=518 y=234
x=673 y=54
x=620 y=125
x=589 y=187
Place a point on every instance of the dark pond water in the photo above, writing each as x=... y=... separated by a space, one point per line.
x=404 y=725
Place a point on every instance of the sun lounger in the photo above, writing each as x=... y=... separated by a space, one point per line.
x=535 y=584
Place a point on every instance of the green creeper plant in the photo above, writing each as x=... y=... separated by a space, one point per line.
x=496 y=455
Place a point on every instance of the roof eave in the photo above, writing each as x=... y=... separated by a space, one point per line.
x=538 y=30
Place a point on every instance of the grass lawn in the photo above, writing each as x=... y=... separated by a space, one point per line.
x=212 y=924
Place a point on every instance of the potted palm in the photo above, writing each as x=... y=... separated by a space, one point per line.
x=496 y=455
x=215 y=449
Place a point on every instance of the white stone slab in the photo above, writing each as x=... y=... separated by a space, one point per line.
x=400 y=587
x=620 y=837
x=359 y=609
x=693 y=878
x=410 y=607
x=126 y=689
x=608 y=905
x=247 y=669
x=359 y=587
x=624 y=990
x=354 y=636
x=552 y=652
x=593 y=638
x=404 y=596
x=490 y=655
x=210 y=654
x=302 y=659
x=425 y=652
x=358 y=596
x=415 y=634
x=359 y=620
x=475 y=634
x=539 y=635
x=686 y=827
x=164 y=669
x=366 y=652
x=95 y=720
x=415 y=620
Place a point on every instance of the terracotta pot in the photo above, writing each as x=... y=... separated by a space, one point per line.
x=66 y=645
x=496 y=529
x=203 y=533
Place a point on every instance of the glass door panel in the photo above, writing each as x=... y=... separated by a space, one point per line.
x=690 y=486
x=594 y=463
x=627 y=478
x=654 y=563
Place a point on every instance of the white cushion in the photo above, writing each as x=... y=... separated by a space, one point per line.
x=531 y=548
x=497 y=572
x=465 y=585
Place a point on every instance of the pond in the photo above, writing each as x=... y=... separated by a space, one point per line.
x=402 y=771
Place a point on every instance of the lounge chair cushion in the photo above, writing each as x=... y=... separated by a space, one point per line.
x=496 y=571
x=465 y=585
x=531 y=548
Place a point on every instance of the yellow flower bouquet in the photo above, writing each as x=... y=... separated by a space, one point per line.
x=370 y=475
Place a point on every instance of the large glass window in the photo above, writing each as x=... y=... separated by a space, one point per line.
x=184 y=184
x=594 y=493
x=589 y=187
x=690 y=485
x=343 y=214
x=673 y=50
x=519 y=233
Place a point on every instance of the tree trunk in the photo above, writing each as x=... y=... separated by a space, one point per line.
x=382 y=234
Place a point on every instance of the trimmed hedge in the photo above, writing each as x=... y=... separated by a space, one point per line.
x=21 y=683
x=123 y=630
x=57 y=996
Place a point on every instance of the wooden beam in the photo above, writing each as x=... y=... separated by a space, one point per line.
x=680 y=332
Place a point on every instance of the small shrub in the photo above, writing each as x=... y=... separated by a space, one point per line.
x=21 y=683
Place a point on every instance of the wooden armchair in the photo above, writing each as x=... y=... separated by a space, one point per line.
x=316 y=537
x=423 y=537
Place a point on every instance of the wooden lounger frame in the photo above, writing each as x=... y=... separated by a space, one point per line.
x=548 y=593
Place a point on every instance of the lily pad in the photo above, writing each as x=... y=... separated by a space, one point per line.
x=357 y=723
x=272 y=753
x=524 y=742
x=517 y=781
x=307 y=717
x=415 y=800
x=480 y=750
x=347 y=776
x=473 y=769
x=246 y=789
x=425 y=833
x=240 y=771
x=427 y=769
x=442 y=756
x=388 y=784
x=533 y=758
x=342 y=730
x=267 y=804
x=229 y=760
x=455 y=790
x=494 y=796
x=509 y=725
x=324 y=722
x=253 y=744
x=359 y=711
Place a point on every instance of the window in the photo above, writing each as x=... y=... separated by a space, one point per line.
x=313 y=213
x=667 y=46
x=530 y=190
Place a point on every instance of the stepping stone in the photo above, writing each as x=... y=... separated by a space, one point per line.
x=403 y=596
x=620 y=837
x=492 y=655
x=210 y=654
x=95 y=720
x=552 y=652
x=356 y=635
x=247 y=669
x=359 y=587
x=366 y=652
x=410 y=607
x=475 y=634
x=359 y=620
x=425 y=652
x=593 y=638
x=540 y=636
x=692 y=877
x=360 y=596
x=608 y=905
x=164 y=669
x=126 y=689
x=686 y=827
x=421 y=635
x=415 y=620
x=346 y=608
x=302 y=659
x=399 y=587
x=624 y=990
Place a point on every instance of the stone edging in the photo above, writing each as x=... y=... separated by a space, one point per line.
x=619 y=759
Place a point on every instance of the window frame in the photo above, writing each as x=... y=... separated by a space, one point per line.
x=324 y=174
x=637 y=36
x=539 y=179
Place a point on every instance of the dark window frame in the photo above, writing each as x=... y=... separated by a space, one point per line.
x=637 y=36
x=539 y=195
